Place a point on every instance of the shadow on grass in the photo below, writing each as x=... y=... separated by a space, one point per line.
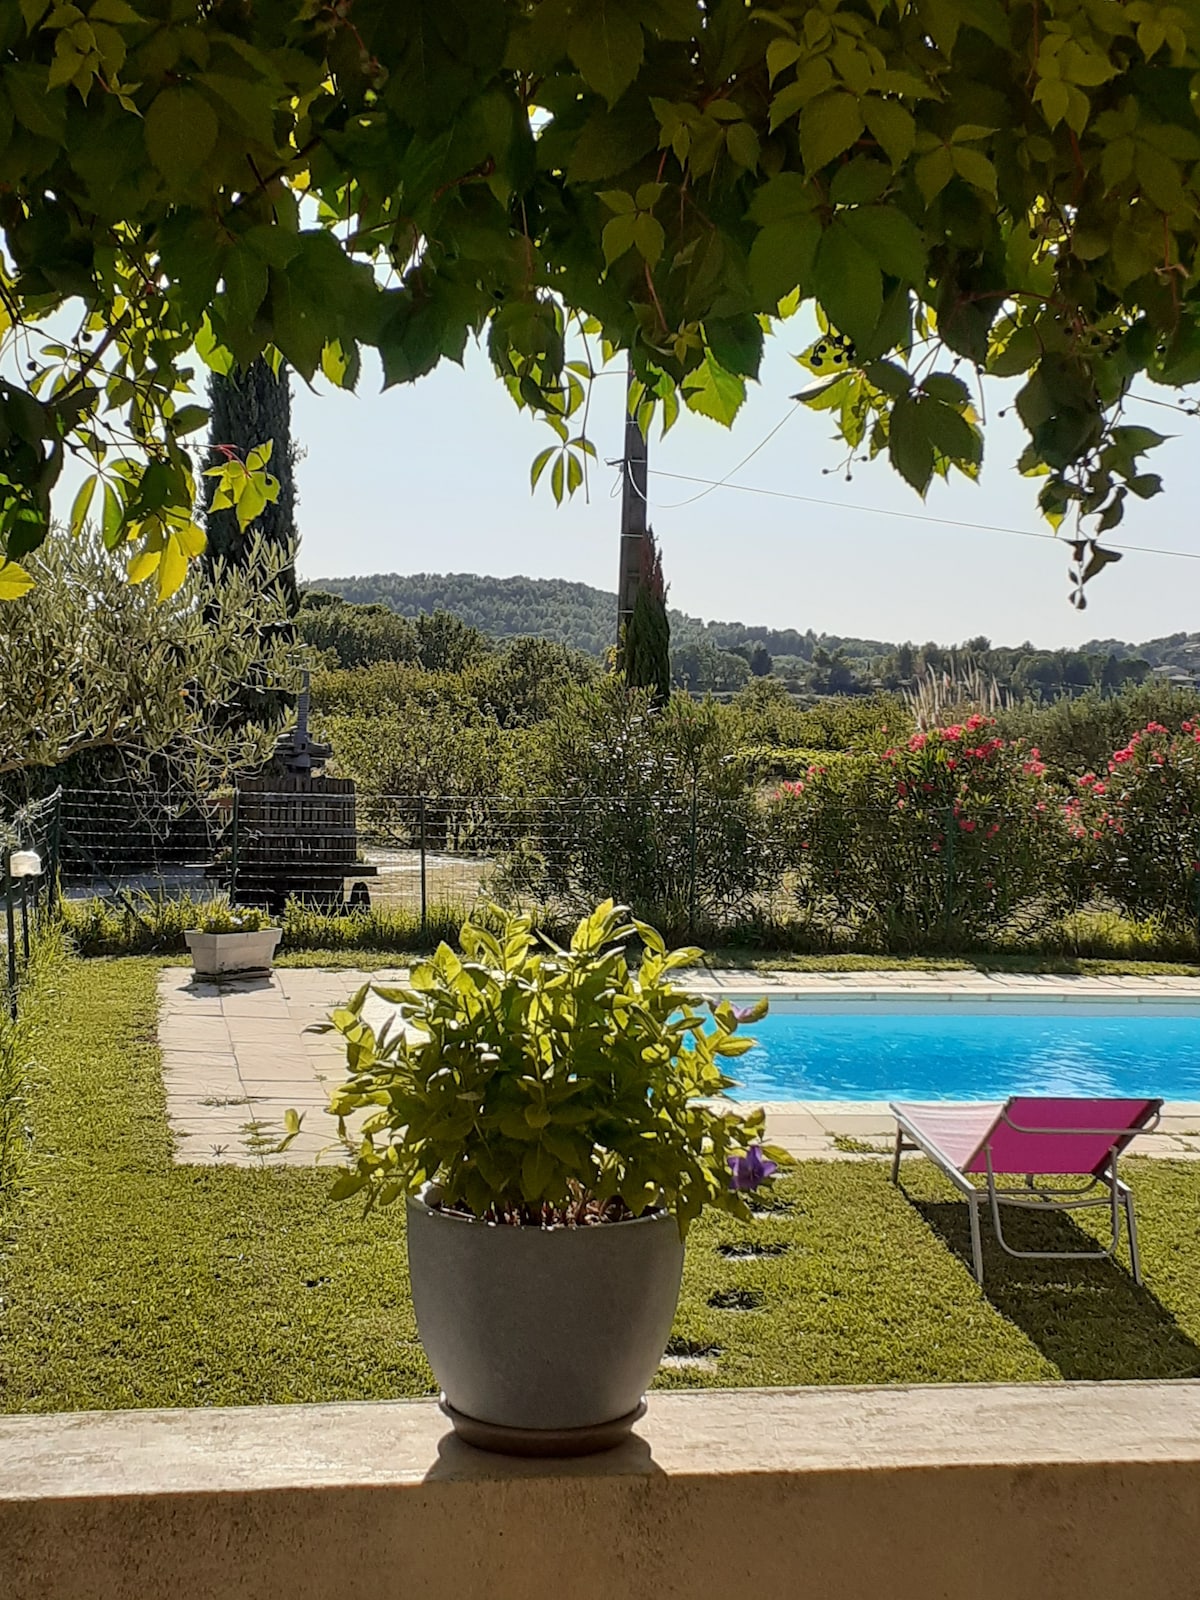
x=1088 y=1317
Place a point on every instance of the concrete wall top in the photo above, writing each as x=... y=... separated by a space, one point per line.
x=704 y=1433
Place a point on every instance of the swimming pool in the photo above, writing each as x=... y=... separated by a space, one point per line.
x=951 y=1051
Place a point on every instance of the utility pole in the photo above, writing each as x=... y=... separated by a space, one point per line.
x=633 y=516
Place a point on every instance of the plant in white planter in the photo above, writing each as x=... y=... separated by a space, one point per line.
x=230 y=941
x=544 y=1114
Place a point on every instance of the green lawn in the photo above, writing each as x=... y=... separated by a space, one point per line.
x=128 y=1282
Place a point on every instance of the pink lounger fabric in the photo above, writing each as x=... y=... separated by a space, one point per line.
x=1029 y=1135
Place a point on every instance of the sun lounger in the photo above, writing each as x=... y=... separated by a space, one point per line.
x=1031 y=1137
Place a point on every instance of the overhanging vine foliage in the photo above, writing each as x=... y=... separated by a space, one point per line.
x=959 y=187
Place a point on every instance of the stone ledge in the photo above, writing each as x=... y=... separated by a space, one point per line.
x=896 y=1494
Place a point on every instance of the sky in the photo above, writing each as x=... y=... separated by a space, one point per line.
x=434 y=477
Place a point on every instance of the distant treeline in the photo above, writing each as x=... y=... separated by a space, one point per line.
x=415 y=618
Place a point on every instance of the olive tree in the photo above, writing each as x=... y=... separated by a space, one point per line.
x=94 y=663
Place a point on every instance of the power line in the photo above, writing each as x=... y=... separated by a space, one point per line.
x=904 y=516
x=722 y=483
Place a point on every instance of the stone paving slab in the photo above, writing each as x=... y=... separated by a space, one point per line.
x=236 y=1056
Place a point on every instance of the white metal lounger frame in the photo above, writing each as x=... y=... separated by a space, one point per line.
x=1116 y=1200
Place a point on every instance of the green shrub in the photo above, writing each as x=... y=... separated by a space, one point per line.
x=379 y=928
x=540 y=1085
x=155 y=924
x=144 y=923
x=648 y=806
x=1079 y=735
x=1107 y=935
x=766 y=714
x=137 y=924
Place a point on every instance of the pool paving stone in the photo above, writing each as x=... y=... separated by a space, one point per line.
x=236 y=1055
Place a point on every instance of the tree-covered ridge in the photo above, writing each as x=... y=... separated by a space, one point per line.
x=577 y=614
x=547 y=608
x=708 y=655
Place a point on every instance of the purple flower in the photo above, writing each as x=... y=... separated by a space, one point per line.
x=748 y=1171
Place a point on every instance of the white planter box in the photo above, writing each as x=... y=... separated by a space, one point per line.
x=217 y=954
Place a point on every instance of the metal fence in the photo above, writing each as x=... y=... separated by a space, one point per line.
x=701 y=862
x=403 y=852
x=30 y=839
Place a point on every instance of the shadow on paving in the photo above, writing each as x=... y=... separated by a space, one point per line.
x=1088 y=1317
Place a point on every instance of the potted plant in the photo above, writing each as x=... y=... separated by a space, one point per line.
x=552 y=1119
x=230 y=941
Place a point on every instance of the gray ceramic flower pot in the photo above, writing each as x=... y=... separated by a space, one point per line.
x=543 y=1340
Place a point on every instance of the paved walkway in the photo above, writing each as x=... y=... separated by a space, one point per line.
x=237 y=1055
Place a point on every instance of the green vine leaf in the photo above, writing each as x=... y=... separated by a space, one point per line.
x=181 y=133
x=605 y=43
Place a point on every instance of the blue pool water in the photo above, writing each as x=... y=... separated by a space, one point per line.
x=954 y=1055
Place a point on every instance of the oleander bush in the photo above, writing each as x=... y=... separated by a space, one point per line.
x=1136 y=824
x=953 y=838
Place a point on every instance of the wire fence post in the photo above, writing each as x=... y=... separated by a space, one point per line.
x=424 y=883
x=948 y=880
x=233 y=851
x=54 y=884
x=12 y=940
x=692 y=865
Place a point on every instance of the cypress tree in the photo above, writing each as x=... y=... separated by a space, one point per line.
x=646 y=653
